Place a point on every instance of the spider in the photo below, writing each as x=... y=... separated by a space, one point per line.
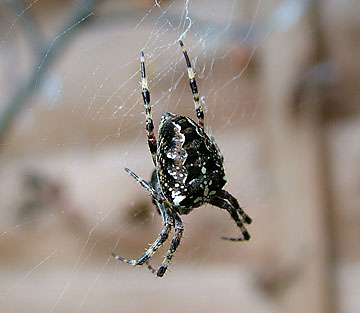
x=188 y=173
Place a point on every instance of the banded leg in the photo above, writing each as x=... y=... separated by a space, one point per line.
x=179 y=229
x=233 y=201
x=163 y=236
x=157 y=197
x=193 y=86
x=149 y=121
x=221 y=203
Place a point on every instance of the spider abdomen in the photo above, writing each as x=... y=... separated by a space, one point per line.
x=189 y=166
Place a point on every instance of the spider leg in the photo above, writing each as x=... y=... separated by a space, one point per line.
x=147 y=186
x=149 y=121
x=221 y=203
x=193 y=86
x=233 y=201
x=163 y=236
x=154 y=183
x=168 y=221
x=179 y=229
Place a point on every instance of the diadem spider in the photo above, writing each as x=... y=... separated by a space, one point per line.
x=188 y=173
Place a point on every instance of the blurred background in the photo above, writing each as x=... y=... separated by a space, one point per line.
x=280 y=85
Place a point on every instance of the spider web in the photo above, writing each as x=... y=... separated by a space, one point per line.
x=74 y=203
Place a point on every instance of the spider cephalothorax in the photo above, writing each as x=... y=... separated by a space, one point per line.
x=188 y=173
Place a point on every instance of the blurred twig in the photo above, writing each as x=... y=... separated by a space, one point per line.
x=283 y=16
x=29 y=26
x=46 y=53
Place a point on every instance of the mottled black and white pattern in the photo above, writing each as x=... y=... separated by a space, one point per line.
x=188 y=173
x=190 y=170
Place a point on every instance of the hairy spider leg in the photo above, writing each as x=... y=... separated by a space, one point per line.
x=233 y=201
x=163 y=236
x=146 y=185
x=221 y=203
x=175 y=242
x=159 y=198
x=167 y=217
x=149 y=121
x=193 y=86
